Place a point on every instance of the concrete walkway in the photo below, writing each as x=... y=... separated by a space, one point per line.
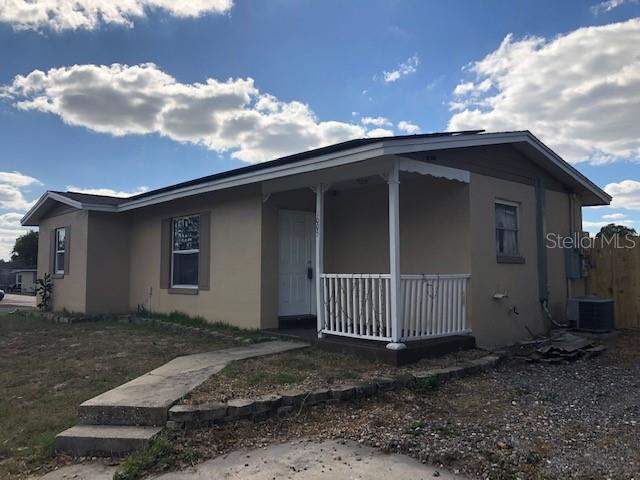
x=300 y=460
x=152 y=394
x=129 y=416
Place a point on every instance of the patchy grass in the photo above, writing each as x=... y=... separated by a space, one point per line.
x=426 y=384
x=47 y=370
x=307 y=369
x=304 y=367
x=160 y=455
x=200 y=322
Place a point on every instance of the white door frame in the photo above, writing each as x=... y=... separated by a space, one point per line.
x=308 y=306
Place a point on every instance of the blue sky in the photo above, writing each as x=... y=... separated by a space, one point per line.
x=98 y=101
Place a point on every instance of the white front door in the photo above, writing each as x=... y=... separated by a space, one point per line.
x=296 y=256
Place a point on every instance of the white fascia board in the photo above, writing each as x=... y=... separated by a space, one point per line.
x=440 y=143
x=303 y=166
x=67 y=201
x=439 y=171
x=569 y=170
x=27 y=216
x=383 y=147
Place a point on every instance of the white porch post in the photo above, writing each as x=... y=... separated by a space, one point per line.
x=320 y=189
x=394 y=257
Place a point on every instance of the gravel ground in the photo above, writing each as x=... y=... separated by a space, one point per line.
x=528 y=421
x=307 y=369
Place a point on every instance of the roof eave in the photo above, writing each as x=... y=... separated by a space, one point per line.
x=386 y=146
x=31 y=217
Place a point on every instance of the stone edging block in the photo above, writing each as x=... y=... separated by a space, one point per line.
x=287 y=402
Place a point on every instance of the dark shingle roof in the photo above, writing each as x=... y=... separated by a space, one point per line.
x=90 y=198
x=359 y=142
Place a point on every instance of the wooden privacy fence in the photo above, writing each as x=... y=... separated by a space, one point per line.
x=615 y=273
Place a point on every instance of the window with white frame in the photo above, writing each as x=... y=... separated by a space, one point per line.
x=507 y=229
x=60 y=245
x=185 y=251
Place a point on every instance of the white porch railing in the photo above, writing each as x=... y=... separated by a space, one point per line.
x=433 y=305
x=358 y=305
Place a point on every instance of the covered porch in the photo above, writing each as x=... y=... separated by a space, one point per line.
x=378 y=250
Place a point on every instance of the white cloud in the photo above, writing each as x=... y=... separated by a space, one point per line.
x=375 y=121
x=580 y=92
x=404 y=69
x=10 y=229
x=11 y=190
x=614 y=216
x=379 y=132
x=626 y=194
x=12 y=186
x=608 y=5
x=230 y=115
x=17 y=179
x=407 y=127
x=59 y=15
x=107 y=191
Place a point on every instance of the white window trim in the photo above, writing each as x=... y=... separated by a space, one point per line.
x=509 y=203
x=57 y=270
x=181 y=252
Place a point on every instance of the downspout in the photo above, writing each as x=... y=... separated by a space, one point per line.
x=543 y=277
x=543 y=280
x=572 y=224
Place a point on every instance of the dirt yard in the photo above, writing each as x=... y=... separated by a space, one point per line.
x=307 y=369
x=528 y=421
x=47 y=370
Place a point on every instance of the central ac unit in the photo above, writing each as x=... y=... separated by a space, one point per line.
x=591 y=314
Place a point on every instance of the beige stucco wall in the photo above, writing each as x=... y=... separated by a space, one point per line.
x=69 y=292
x=107 y=263
x=234 y=296
x=434 y=228
x=493 y=321
x=446 y=227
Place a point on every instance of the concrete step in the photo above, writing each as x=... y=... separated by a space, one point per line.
x=124 y=415
x=104 y=440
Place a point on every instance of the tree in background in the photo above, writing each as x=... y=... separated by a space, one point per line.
x=25 y=250
x=612 y=230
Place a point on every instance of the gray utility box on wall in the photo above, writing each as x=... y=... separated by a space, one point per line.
x=573 y=263
x=591 y=314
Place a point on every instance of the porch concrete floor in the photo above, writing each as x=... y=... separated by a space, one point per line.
x=376 y=350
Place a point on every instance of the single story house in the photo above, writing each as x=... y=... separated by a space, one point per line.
x=25 y=280
x=390 y=239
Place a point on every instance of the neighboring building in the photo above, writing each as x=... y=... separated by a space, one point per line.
x=396 y=239
x=25 y=280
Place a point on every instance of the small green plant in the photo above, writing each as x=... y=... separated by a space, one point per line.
x=416 y=427
x=160 y=455
x=44 y=290
x=426 y=384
